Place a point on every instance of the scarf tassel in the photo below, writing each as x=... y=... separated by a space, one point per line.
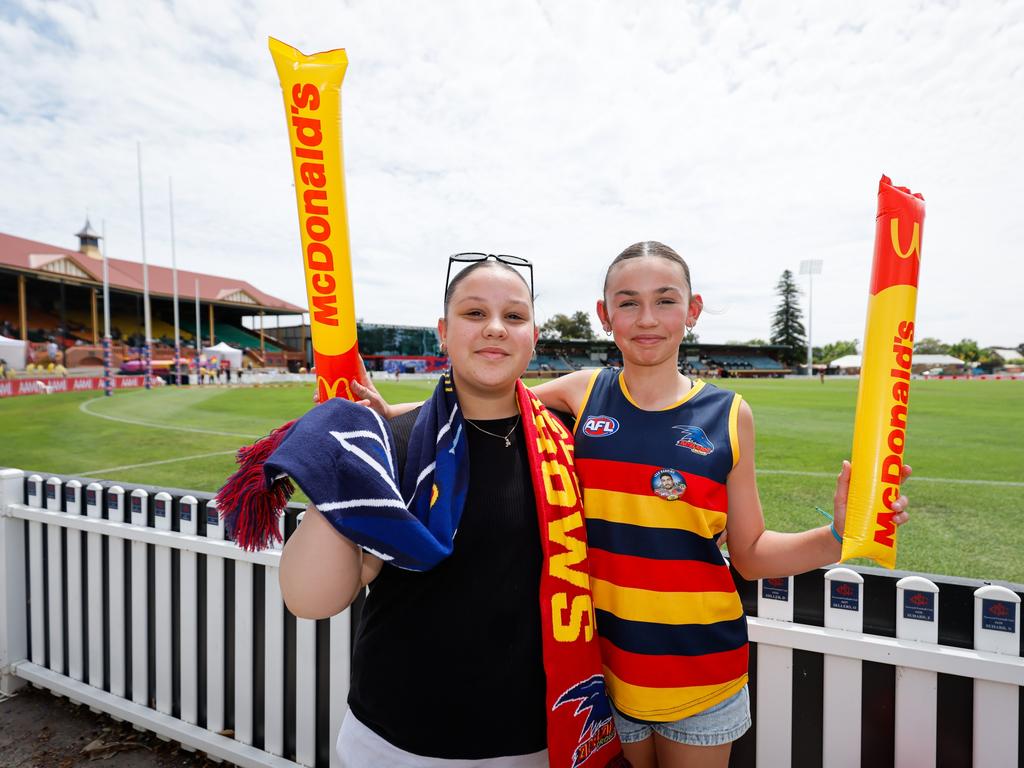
x=249 y=503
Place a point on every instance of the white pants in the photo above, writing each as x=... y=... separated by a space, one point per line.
x=359 y=747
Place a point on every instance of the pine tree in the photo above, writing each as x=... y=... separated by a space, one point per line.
x=787 y=328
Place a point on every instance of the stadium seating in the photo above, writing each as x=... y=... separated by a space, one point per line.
x=234 y=336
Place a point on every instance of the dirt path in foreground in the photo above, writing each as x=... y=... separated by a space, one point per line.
x=40 y=730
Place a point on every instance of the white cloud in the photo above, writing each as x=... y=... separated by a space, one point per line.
x=748 y=136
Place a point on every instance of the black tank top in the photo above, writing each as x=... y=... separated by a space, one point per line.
x=448 y=663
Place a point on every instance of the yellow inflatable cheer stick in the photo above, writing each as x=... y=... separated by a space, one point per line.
x=883 y=398
x=312 y=105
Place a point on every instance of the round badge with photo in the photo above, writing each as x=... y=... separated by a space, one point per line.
x=668 y=484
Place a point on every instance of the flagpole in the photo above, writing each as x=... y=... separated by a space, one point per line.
x=199 y=336
x=174 y=282
x=108 y=379
x=147 y=352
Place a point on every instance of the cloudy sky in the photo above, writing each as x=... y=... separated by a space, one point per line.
x=747 y=135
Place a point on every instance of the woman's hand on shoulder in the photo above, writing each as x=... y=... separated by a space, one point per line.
x=841 y=497
x=371 y=398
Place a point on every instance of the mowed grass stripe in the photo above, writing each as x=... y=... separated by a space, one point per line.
x=963 y=442
x=84 y=408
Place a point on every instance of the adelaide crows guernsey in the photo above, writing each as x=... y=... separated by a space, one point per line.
x=673 y=634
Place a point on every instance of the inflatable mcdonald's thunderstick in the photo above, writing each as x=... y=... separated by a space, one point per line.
x=312 y=103
x=883 y=398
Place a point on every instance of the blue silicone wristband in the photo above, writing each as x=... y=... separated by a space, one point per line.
x=835 y=533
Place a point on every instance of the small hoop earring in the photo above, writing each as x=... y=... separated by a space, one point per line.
x=608 y=332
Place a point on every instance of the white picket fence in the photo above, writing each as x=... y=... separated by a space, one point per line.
x=134 y=604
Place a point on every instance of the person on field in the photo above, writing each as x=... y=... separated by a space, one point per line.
x=672 y=628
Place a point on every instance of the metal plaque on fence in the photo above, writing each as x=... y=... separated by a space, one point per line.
x=999 y=615
x=845 y=595
x=775 y=589
x=159 y=509
x=919 y=606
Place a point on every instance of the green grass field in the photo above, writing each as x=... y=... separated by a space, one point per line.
x=964 y=442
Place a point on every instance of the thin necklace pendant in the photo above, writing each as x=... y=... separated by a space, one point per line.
x=507 y=438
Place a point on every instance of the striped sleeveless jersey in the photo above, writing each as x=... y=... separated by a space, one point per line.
x=673 y=634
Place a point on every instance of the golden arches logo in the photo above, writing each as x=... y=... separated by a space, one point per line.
x=332 y=389
x=915 y=239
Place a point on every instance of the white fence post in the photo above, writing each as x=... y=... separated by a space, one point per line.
x=844 y=609
x=996 y=705
x=140 y=602
x=162 y=606
x=243 y=651
x=188 y=511
x=214 y=626
x=116 y=513
x=94 y=566
x=37 y=606
x=13 y=598
x=305 y=689
x=55 y=578
x=917 y=619
x=273 y=660
x=76 y=621
x=775 y=675
x=341 y=640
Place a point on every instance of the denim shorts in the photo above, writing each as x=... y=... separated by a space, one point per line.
x=721 y=724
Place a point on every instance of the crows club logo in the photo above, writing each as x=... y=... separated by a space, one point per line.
x=598 y=728
x=694 y=439
x=600 y=426
x=999 y=609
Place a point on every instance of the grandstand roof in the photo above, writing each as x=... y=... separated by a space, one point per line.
x=46 y=260
x=1007 y=354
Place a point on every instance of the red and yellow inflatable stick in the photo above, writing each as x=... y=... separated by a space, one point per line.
x=312 y=106
x=883 y=398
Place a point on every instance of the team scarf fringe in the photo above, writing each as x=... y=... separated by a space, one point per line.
x=249 y=505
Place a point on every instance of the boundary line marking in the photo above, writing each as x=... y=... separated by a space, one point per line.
x=154 y=463
x=913 y=479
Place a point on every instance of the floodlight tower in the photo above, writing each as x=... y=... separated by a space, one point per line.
x=810 y=267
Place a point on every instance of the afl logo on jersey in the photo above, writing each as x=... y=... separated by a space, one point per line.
x=600 y=426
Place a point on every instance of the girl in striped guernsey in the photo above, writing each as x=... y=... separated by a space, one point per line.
x=667 y=466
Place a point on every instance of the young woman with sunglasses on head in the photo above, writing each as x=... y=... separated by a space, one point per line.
x=667 y=468
x=452 y=665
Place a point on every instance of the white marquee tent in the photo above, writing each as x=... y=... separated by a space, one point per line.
x=223 y=351
x=13 y=351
